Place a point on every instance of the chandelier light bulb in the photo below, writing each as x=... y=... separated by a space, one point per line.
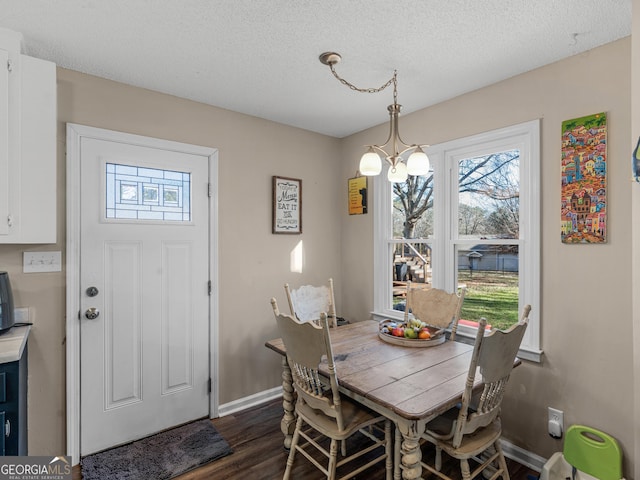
x=418 y=163
x=397 y=173
x=370 y=163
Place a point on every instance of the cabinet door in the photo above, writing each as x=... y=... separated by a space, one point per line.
x=38 y=151
x=27 y=150
x=4 y=142
x=3 y=449
x=13 y=411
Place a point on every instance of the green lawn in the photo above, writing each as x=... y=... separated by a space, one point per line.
x=492 y=295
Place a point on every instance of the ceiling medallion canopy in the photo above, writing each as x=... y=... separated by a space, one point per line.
x=404 y=159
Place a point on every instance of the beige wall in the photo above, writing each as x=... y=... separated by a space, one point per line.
x=586 y=310
x=586 y=289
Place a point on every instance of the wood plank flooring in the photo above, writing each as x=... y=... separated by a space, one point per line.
x=255 y=436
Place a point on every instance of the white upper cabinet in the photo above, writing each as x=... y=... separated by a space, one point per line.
x=4 y=142
x=27 y=145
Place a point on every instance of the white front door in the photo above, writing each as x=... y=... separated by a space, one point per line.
x=144 y=289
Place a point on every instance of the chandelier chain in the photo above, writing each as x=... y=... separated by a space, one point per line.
x=393 y=80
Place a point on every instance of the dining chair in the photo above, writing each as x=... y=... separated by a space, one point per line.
x=435 y=307
x=324 y=416
x=306 y=302
x=473 y=430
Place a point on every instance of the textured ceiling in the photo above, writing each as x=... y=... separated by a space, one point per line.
x=260 y=57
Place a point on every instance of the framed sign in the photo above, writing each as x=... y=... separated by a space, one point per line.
x=287 y=205
x=357 y=191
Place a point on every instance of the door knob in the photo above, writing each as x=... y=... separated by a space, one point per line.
x=92 y=313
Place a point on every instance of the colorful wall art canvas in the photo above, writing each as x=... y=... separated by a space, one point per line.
x=584 y=179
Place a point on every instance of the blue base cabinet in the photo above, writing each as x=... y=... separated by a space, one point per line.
x=13 y=407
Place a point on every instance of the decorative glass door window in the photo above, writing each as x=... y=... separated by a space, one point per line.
x=140 y=193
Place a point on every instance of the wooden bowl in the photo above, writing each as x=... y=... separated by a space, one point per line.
x=437 y=337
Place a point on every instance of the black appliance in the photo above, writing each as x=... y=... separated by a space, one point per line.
x=6 y=303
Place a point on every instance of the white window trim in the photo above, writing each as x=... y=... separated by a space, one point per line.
x=442 y=156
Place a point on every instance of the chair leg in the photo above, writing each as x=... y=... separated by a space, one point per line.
x=292 y=451
x=502 y=462
x=438 y=460
x=396 y=454
x=464 y=467
x=333 y=460
x=387 y=448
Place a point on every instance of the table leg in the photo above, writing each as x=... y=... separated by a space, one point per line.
x=288 y=422
x=409 y=452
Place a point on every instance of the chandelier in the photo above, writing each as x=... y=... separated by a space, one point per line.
x=403 y=159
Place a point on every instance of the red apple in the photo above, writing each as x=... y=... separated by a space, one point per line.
x=398 y=332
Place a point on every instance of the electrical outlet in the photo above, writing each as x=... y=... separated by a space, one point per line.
x=21 y=314
x=556 y=422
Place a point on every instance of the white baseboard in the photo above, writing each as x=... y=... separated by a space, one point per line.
x=520 y=455
x=250 y=401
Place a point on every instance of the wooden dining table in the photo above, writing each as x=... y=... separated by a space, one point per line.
x=409 y=385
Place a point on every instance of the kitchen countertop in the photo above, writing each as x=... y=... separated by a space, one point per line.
x=12 y=343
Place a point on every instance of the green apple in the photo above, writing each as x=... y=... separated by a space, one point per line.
x=410 y=332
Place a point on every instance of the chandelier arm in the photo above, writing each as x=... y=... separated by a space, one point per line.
x=406 y=146
x=409 y=147
x=394 y=132
x=380 y=150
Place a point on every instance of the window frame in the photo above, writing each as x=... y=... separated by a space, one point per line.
x=524 y=137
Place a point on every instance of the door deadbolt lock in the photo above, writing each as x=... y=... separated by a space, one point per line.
x=92 y=313
x=92 y=291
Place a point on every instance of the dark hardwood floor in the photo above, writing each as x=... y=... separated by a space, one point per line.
x=259 y=454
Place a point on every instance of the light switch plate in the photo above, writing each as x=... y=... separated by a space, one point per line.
x=34 y=262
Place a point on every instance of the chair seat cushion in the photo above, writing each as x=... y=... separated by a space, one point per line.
x=355 y=417
x=442 y=425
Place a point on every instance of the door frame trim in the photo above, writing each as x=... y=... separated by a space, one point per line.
x=75 y=133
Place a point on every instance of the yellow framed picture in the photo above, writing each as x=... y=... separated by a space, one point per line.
x=357 y=191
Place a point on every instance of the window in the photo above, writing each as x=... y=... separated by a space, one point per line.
x=140 y=193
x=474 y=222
